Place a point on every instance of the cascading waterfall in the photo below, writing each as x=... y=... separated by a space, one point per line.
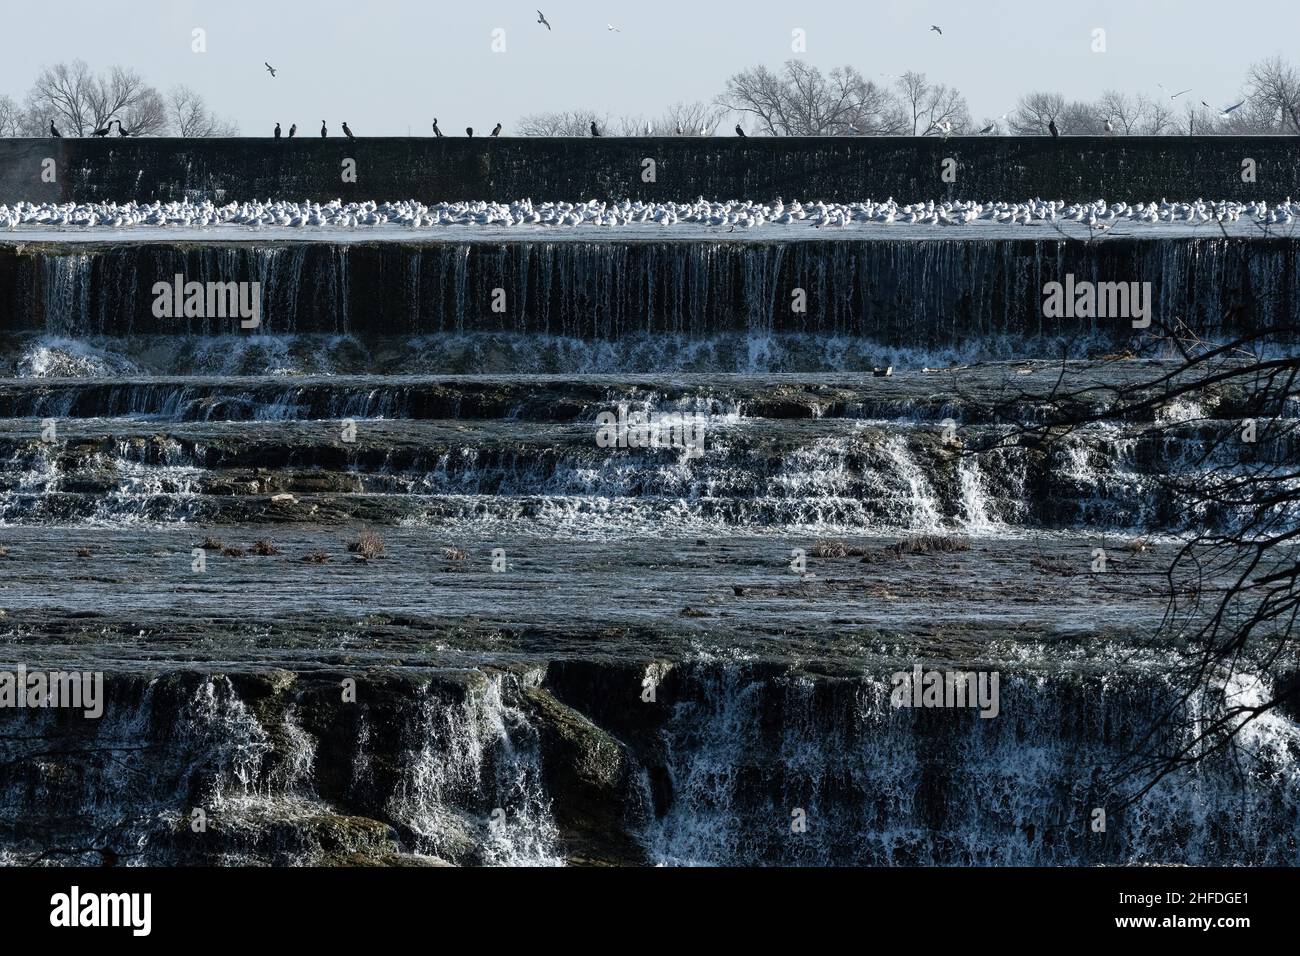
x=881 y=786
x=476 y=780
x=182 y=506
x=467 y=787
x=923 y=294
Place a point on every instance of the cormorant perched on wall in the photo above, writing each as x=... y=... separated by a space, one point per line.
x=105 y=130
x=496 y=130
x=594 y=130
x=277 y=130
x=469 y=131
x=54 y=131
x=740 y=132
x=122 y=130
x=347 y=132
x=323 y=131
x=1051 y=128
x=293 y=130
x=436 y=132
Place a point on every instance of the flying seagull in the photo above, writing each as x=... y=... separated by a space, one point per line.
x=1174 y=96
x=1233 y=107
x=269 y=67
x=541 y=18
x=935 y=29
x=612 y=29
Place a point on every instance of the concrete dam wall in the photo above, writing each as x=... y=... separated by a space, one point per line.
x=1073 y=168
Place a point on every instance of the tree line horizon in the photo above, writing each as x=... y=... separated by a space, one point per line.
x=798 y=99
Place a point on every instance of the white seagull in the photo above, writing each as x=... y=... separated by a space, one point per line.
x=612 y=29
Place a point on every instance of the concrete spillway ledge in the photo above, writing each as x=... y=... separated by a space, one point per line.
x=680 y=232
x=1073 y=168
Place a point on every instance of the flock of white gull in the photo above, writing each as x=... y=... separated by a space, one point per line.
x=729 y=216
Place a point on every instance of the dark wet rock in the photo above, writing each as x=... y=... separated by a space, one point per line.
x=591 y=775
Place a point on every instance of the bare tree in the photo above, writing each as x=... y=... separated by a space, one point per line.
x=63 y=92
x=1274 y=88
x=802 y=101
x=11 y=117
x=1034 y=112
x=1160 y=117
x=931 y=107
x=145 y=115
x=82 y=102
x=567 y=123
x=123 y=94
x=1126 y=113
x=1254 y=118
x=759 y=92
x=189 y=115
x=1079 y=118
x=693 y=119
x=1196 y=119
x=630 y=125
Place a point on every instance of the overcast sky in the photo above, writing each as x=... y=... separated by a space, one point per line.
x=389 y=66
